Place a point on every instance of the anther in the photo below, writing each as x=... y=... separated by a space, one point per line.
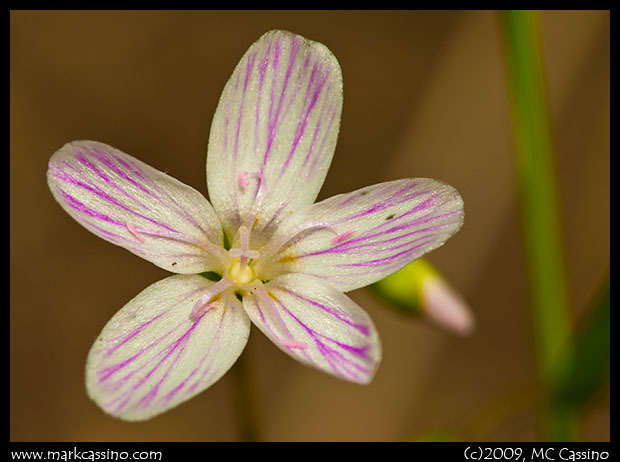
x=294 y=344
x=197 y=313
x=134 y=231
x=341 y=237
x=243 y=176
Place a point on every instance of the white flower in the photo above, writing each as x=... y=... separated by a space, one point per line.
x=261 y=251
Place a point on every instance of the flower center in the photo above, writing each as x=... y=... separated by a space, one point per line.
x=241 y=274
x=244 y=266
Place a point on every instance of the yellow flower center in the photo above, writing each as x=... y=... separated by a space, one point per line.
x=241 y=274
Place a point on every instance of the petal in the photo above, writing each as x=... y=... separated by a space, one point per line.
x=277 y=122
x=372 y=232
x=152 y=356
x=317 y=325
x=135 y=206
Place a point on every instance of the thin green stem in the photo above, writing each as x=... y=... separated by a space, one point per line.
x=245 y=405
x=539 y=205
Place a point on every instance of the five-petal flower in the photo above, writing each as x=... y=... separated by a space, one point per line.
x=261 y=251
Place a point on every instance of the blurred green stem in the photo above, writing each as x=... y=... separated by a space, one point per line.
x=539 y=206
x=587 y=360
x=245 y=405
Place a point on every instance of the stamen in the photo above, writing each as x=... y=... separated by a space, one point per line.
x=202 y=310
x=216 y=250
x=205 y=303
x=294 y=344
x=242 y=182
x=134 y=231
x=274 y=246
x=342 y=237
x=261 y=182
x=262 y=294
x=244 y=252
x=258 y=197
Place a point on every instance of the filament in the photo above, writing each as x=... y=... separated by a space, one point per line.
x=214 y=250
x=258 y=196
x=205 y=303
x=263 y=296
x=274 y=246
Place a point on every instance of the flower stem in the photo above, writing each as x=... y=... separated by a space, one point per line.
x=245 y=405
x=539 y=206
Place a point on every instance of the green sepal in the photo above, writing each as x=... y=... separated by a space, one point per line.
x=403 y=289
x=211 y=276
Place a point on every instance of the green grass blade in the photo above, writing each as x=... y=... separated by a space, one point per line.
x=588 y=359
x=539 y=203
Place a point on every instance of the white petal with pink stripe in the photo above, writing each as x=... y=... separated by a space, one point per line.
x=369 y=233
x=317 y=325
x=274 y=132
x=133 y=205
x=153 y=355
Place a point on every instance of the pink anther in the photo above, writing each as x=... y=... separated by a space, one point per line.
x=198 y=312
x=243 y=176
x=341 y=237
x=134 y=231
x=242 y=182
x=294 y=344
x=206 y=302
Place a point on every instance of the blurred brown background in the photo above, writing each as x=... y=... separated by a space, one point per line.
x=425 y=95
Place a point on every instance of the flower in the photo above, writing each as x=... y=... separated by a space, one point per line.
x=261 y=251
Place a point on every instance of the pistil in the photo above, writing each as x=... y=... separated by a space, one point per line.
x=244 y=252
